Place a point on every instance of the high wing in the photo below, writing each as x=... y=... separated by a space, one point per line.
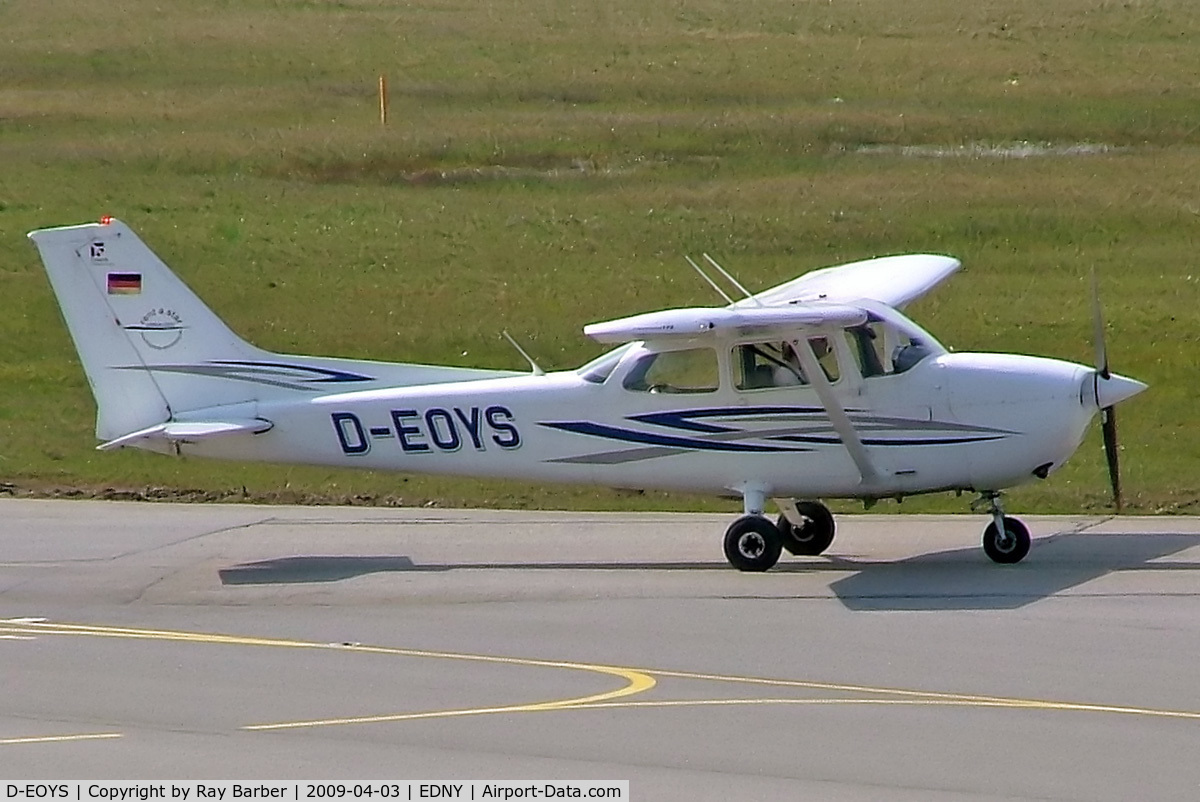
x=830 y=297
x=826 y=297
x=892 y=280
x=696 y=322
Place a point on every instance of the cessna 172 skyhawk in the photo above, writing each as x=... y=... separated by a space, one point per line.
x=816 y=388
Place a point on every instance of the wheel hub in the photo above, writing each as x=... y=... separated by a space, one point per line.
x=804 y=532
x=752 y=545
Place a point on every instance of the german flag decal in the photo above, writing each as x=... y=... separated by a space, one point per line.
x=124 y=283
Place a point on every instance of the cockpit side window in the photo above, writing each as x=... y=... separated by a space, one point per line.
x=762 y=365
x=690 y=371
x=908 y=352
x=883 y=350
x=768 y=364
x=867 y=345
x=826 y=356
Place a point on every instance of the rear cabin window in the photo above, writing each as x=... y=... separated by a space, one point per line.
x=690 y=371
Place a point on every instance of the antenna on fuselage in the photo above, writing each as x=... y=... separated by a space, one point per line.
x=727 y=276
x=749 y=295
x=711 y=283
x=537 y=369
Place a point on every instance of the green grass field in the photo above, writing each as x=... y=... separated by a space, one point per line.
x=548 y=163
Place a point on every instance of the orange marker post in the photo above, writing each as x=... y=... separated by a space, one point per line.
x=383 y=100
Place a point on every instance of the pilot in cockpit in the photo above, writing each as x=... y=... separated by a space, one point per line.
x=788 y=372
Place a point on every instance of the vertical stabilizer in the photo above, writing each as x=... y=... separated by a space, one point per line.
x=140 y=332
x=153 y=352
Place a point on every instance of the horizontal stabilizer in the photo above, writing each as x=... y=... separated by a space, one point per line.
x=703 y=322
x=176 y=431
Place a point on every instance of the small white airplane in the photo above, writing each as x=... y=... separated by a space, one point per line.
x=816 y=388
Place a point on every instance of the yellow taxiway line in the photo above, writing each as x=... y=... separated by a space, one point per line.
x=636 y=681
x=46 y=739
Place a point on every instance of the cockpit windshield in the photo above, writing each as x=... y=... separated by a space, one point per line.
x=889 y=343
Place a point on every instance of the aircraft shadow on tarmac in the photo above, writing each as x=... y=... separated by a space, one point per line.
x=289 y=570
x=295 y=570
x=959 y=579
x=964 y=579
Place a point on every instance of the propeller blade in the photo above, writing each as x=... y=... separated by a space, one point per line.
x=1108 y=423
x=1098 y=329
x=1108 y=415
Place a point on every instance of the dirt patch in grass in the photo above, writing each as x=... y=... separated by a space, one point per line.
x=420 y=172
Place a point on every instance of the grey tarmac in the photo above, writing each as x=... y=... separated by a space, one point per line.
x=236 y=642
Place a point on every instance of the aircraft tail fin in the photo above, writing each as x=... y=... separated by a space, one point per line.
x=155 y=354
x=143 y=337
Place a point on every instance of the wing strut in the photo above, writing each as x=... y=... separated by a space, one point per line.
x=837 y=416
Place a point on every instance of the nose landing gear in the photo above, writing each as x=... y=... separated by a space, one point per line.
x=1006 y=539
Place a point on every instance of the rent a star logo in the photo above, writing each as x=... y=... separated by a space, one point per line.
x=160 y=328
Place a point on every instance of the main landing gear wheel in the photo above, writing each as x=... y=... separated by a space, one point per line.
x=1009 y=547
x=753 y=543
x=814 y=535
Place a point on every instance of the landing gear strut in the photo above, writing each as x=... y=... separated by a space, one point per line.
x=752 y=542
x=1005 y=540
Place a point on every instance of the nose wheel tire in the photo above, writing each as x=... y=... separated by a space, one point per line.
x=753 y=543
x=1009 y=547
x=814 y=535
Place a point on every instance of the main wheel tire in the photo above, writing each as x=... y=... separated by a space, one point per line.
x=814 y=535
x=1011 y=547
x=753 y=543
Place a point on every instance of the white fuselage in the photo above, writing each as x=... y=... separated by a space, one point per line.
x=971 y=421
x=818 y=387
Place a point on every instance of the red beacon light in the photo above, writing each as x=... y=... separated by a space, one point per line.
x=106 y=220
